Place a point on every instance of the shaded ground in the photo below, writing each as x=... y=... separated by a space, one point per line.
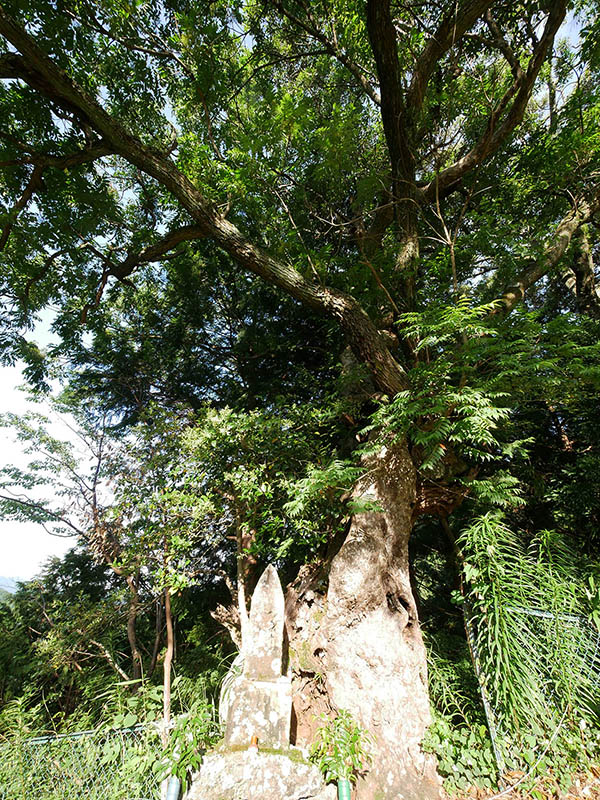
x=585 y=786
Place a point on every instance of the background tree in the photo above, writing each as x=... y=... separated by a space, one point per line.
x=113 y=497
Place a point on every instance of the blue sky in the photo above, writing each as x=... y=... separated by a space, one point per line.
x=24 y=547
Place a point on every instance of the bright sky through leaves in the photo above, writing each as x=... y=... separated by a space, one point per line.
x=24 y=547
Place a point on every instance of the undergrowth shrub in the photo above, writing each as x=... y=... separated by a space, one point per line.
x=530 y=611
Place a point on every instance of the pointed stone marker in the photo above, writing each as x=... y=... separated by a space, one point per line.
x=259 y=704
x=261 y=698
x=263 y=650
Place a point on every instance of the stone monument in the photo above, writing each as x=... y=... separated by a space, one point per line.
x=261 y=698
x=259 y=709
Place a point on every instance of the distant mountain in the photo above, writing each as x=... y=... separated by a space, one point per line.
x=8 y=584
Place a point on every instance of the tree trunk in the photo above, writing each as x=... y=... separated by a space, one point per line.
x=358 y=644
x=167 y=669
x=134 y=606
x=157 y=637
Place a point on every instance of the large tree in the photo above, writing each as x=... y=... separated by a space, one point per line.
x=411 y=173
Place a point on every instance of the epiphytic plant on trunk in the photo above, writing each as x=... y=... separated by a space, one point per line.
x=342 y=750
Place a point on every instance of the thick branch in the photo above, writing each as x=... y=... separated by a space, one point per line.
x=399 y=133
x=580 y=277
x=70 y=160
x=229 y=618
x=497 y=131
x=34 y=184
x=382 y=36
x=366 y=341
x=154 y=252
x=14 y=66
x=451 y=29
x=91 y=152
x=504 y=47
x=9 y=66
x=370 y=238
x=553 y=252
x=40 y=162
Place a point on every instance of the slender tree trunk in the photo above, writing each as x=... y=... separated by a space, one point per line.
x=134 y=606
x=358 y=645
x=167 y=668
x=157 y=636
x=242 y=570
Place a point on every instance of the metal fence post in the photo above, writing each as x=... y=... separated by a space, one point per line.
x=173 y=788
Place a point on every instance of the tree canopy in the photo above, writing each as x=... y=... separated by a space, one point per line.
x=325 y=275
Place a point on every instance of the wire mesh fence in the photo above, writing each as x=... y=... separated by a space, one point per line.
x=122 y=764
x=547 y=642
x=126 y=764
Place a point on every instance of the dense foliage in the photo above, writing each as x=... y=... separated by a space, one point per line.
x=272 y=238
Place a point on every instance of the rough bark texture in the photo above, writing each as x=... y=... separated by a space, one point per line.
x=556 y=247
x=358 y=645
x=580 y=276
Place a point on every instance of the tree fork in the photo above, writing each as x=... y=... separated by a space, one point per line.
x=37 y=69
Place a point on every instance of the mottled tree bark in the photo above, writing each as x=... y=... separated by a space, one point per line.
x=580 y=276
x=357 y=644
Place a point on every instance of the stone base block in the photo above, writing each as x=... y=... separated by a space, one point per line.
x=247 y=775
x=262 y=709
